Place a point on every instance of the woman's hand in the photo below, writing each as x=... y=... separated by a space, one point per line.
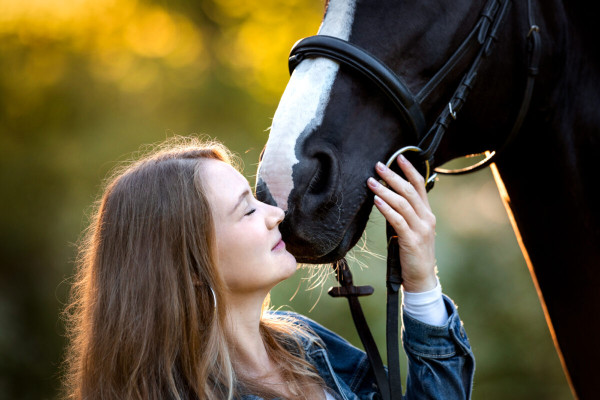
x=406 y=207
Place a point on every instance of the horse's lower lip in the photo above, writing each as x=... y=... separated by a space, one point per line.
x=349 y=235
x=332 y=254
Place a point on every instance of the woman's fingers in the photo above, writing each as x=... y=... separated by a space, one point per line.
x=417 y=249
x=414 y=177
x=412 y=190
x=394 y=204
x=404 y=205
x=397 y=221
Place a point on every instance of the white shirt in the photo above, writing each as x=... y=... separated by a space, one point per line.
x=427 y=307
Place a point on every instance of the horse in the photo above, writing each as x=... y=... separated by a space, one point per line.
x=531 y=103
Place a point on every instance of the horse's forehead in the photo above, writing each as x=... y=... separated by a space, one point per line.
x=302 y=106
x=338 y=19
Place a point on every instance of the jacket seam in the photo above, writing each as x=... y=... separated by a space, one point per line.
x=359 y=375
x=323 y=353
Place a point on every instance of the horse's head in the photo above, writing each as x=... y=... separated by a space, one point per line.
x=332 y=124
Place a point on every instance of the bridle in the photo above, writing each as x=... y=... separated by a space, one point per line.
x=481 y=40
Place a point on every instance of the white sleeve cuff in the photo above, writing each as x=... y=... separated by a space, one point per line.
x=427 y=307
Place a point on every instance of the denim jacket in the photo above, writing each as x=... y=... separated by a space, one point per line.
x=440 y=361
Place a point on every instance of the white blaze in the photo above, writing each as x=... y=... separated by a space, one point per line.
x=302 y=105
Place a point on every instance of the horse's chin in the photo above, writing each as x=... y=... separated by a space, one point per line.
x=315 y=253
x=348 y=240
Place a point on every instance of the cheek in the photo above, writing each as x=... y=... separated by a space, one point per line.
x=244 y=240
x=238 y=251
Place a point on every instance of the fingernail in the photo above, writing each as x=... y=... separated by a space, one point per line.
x=380 y=166
x=377 y=200
x=401 y=158
x=372 y=183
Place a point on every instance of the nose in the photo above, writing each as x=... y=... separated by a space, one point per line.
x=275 y=216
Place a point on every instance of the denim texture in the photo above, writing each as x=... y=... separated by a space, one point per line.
x=440 y=361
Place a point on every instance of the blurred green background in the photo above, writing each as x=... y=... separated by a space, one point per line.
x=84 y=83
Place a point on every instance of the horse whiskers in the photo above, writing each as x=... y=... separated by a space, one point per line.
x=316 y=279
x=321 y=272
x=338 y=205
x=296 y=292
x=362 y=247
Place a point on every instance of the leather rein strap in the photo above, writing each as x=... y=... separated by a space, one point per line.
x=480 y=40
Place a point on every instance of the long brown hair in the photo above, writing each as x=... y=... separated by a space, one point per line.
x=142 y=321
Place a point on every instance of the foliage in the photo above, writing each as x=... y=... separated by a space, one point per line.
x=83 y=83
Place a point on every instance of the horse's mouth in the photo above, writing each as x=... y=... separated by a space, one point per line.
x=350 y=235
x=347 y=241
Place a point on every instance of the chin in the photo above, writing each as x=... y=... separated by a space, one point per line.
x=289 y=265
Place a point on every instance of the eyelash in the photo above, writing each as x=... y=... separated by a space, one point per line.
x=250 y=212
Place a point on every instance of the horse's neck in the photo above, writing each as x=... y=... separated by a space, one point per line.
x=549 y=169
x=551 y=196
x=549 y=177
x=550 y=182
x=550 y=165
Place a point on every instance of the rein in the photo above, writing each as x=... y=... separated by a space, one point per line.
x=481 y=40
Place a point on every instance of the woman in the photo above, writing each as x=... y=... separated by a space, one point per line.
x=171 y=295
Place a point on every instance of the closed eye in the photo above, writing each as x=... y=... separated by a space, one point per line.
x=250 y=212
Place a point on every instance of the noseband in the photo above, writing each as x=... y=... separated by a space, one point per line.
x=481 y=39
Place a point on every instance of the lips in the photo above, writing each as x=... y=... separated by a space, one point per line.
x=279 y=245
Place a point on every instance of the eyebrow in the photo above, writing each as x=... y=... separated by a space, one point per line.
x=239 y=201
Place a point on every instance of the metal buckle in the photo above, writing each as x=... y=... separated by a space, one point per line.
x=429 y=178
x=451 y=111
x=533 y=28
x=416 y=149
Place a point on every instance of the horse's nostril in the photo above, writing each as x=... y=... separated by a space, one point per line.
x=322 y=178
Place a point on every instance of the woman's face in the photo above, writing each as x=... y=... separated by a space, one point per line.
x=252 y=257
